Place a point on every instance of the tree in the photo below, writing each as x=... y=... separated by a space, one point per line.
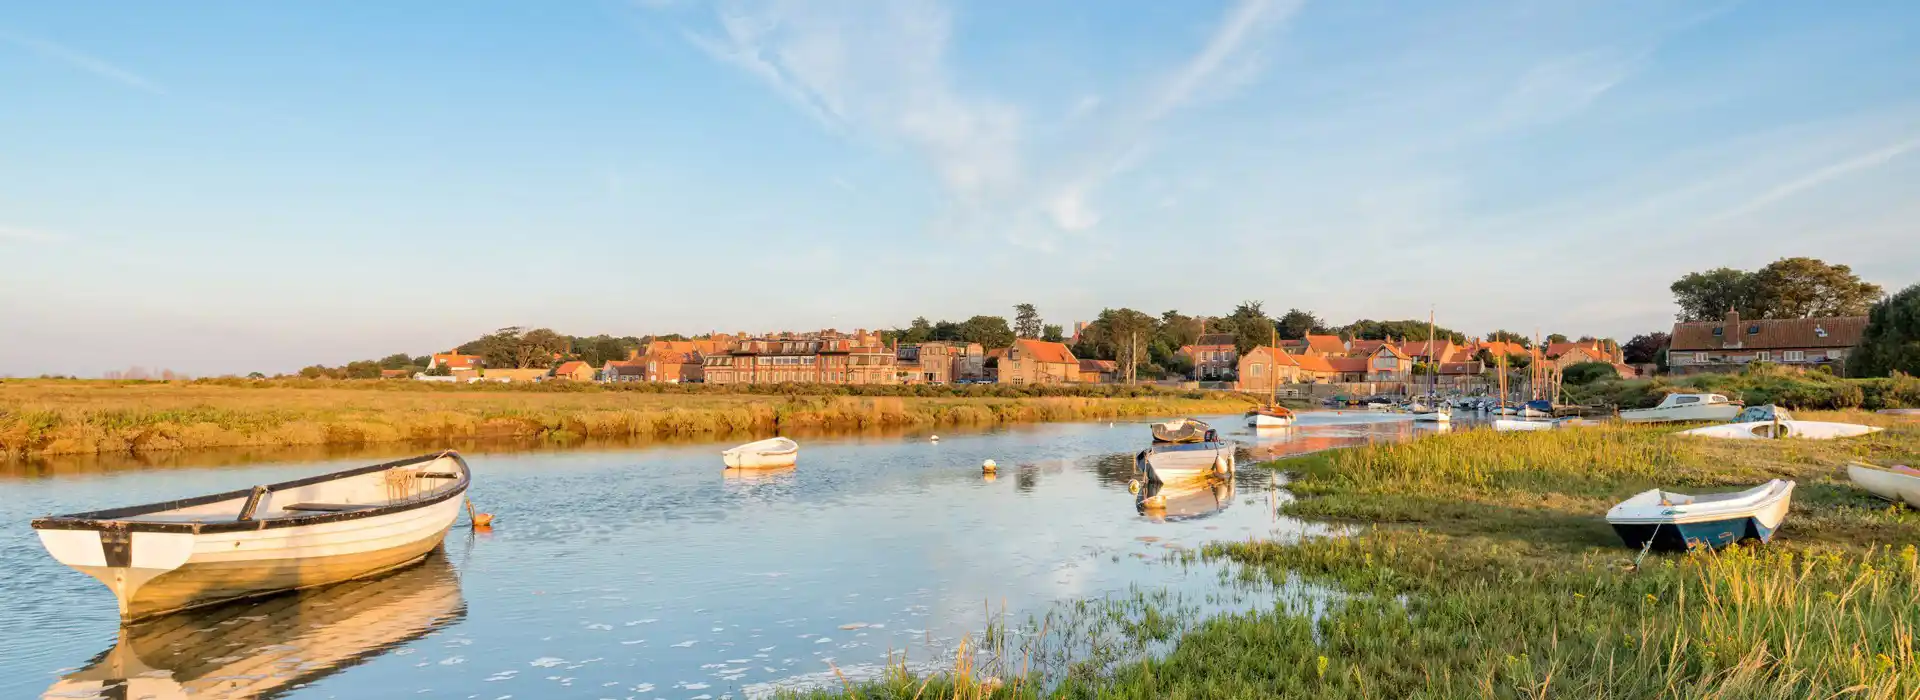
x=988 y=331
x=1053 y=333
x=315 y=371
x=1556 y=338
x=363 y=369
x=1708 y=295
x=1809 y=288
x=946 y=330
x=1124 y=335
x=398 y=360
x=1409 y=329
x=256 y=375
x=1589 y=372
x=1249 y=325
x=1645 y=348
x=1176 y=330
x=537 y=348
x=1026 y=321
x=919 y=332
x=1520 y=339
x=1785 y=288
x=1891 y=342
x=1297 y=324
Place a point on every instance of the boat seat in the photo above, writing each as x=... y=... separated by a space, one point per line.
x=325 y=507
x=436 y=475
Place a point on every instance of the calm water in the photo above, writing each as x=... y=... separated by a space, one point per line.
x=647 y=573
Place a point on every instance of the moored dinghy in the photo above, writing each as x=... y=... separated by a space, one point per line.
x=1672 y=521
x=1182 y=430
x=771 y=453
x=1801 y=429
x=175 y=555
x=1899 y=484
x=1177 y=463
x=1270 y=416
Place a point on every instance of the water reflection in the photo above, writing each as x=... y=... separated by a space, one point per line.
x=265 y=647
x=1193 y=499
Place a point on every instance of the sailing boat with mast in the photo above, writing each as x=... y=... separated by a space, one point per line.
x=1537 y=406
x=1272 y=415
x=1433 y=411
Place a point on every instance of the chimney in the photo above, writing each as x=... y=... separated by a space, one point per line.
x=1730 y=333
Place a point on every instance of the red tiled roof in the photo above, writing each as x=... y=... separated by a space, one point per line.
x=453 y=360
x=1421 y=349
x=1316 y=363
x=1099 y=366
x=1625 y=371
x=1364 y=347
x=1775 y=333
x=1500 y=347
x=1347 y=364
x=1389 y=347
x=1461 y=368
x=1045 y=351
x=1279 y=357
x=1326 y=343
x=1557 y=349
x=569 y=368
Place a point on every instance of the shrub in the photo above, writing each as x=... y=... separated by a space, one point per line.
x=1590 y=372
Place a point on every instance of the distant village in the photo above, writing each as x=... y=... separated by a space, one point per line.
x=1311 y=365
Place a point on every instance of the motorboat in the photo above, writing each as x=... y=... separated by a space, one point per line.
x=174 y=555
x=1668 y=520
x=771 y=453
x=1801 y=429
x=1434 y=412
x=1686 y=407
x=1183 y=430
x=1536 y=409
x=1899 y=484
x=1270 y=416
x=274 y=645
x=1175 y=463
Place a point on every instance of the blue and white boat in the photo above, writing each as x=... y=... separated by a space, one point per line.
x=1537 y=409
x=1676 y=521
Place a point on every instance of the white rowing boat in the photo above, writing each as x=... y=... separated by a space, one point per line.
x=1668 y=520
x=174 y=555
x=1511 y=425
x=1178 y=463
x=1898 y=484
x=1800 y=429
x=771 y=453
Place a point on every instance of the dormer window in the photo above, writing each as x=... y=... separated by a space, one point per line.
x=1753 y=329
x=1717 y=330
x=1820 y=331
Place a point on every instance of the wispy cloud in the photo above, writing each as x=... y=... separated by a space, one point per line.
x=84 y=61
x=15 y=233
x=1820 y=176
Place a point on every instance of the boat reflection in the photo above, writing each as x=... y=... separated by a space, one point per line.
x=268 y=646
x=1186 y=500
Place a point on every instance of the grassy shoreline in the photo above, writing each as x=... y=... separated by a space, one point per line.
x=40 y=418
x=1482 y=567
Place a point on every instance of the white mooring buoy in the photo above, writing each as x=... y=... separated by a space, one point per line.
x=989 y=466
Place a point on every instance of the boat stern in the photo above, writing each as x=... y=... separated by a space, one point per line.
x=124 y=561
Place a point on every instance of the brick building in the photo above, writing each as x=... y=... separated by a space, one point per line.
x=1730 y=343
x=1213 y=356
x=826 y=357
x=1030 y=361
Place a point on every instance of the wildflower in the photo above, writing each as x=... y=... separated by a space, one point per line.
x=1652 y=599
x=1320 y=666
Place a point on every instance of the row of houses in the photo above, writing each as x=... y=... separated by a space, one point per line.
x=1330 y=359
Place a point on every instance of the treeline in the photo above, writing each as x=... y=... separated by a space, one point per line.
x=1103 y=391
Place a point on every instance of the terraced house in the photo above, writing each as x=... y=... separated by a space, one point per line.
x=825 y=357
x=1730 y=343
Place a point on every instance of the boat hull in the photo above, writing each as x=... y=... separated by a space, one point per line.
x=1262 y=420
x=224 y=566
x=760 y=461
x=1800 y=429
x=1887 y=484
x=1177 y=464
x=1713 y=534
x=1432 y=417
x=1716 y=413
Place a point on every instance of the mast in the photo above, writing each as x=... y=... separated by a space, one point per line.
x=1501 y=363
x=1433 y=367
x=1273 y=369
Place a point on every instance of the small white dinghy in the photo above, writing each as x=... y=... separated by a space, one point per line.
x=1673 y=521
x=1175 y=463
x=1801 y=429
x=1898 y=484
x=174 y=555
x=771 y=453
x=1511 y=425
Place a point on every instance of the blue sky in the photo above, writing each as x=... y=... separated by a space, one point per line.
x=263 y=186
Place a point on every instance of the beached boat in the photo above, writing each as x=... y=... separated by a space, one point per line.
x=771 y=453
x=1801 y=429
x=1671 y=520
x=1270 y=416
x=1184 y=501
x=1902 y=412
x=1182 y=430
x=1174 y=463
x=1511 y=425
x=174 y=555
x=269 y=647
x=1899 y=484
x=1686 y=407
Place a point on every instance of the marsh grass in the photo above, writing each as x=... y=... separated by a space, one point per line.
x=71 y=417
x=1482 y=567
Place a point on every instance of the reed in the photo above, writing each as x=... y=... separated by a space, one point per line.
x=1481 y=566
x=72 y=417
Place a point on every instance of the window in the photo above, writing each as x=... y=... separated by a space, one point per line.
x=1700 y=358
x=1683 y=400
x=1820 y=331
x=1253 y=370
x=1753 y=329
x=1836 y=354
x=1717 y=330
x=1762 y=356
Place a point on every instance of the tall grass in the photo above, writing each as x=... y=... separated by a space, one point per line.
x=69 y=417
